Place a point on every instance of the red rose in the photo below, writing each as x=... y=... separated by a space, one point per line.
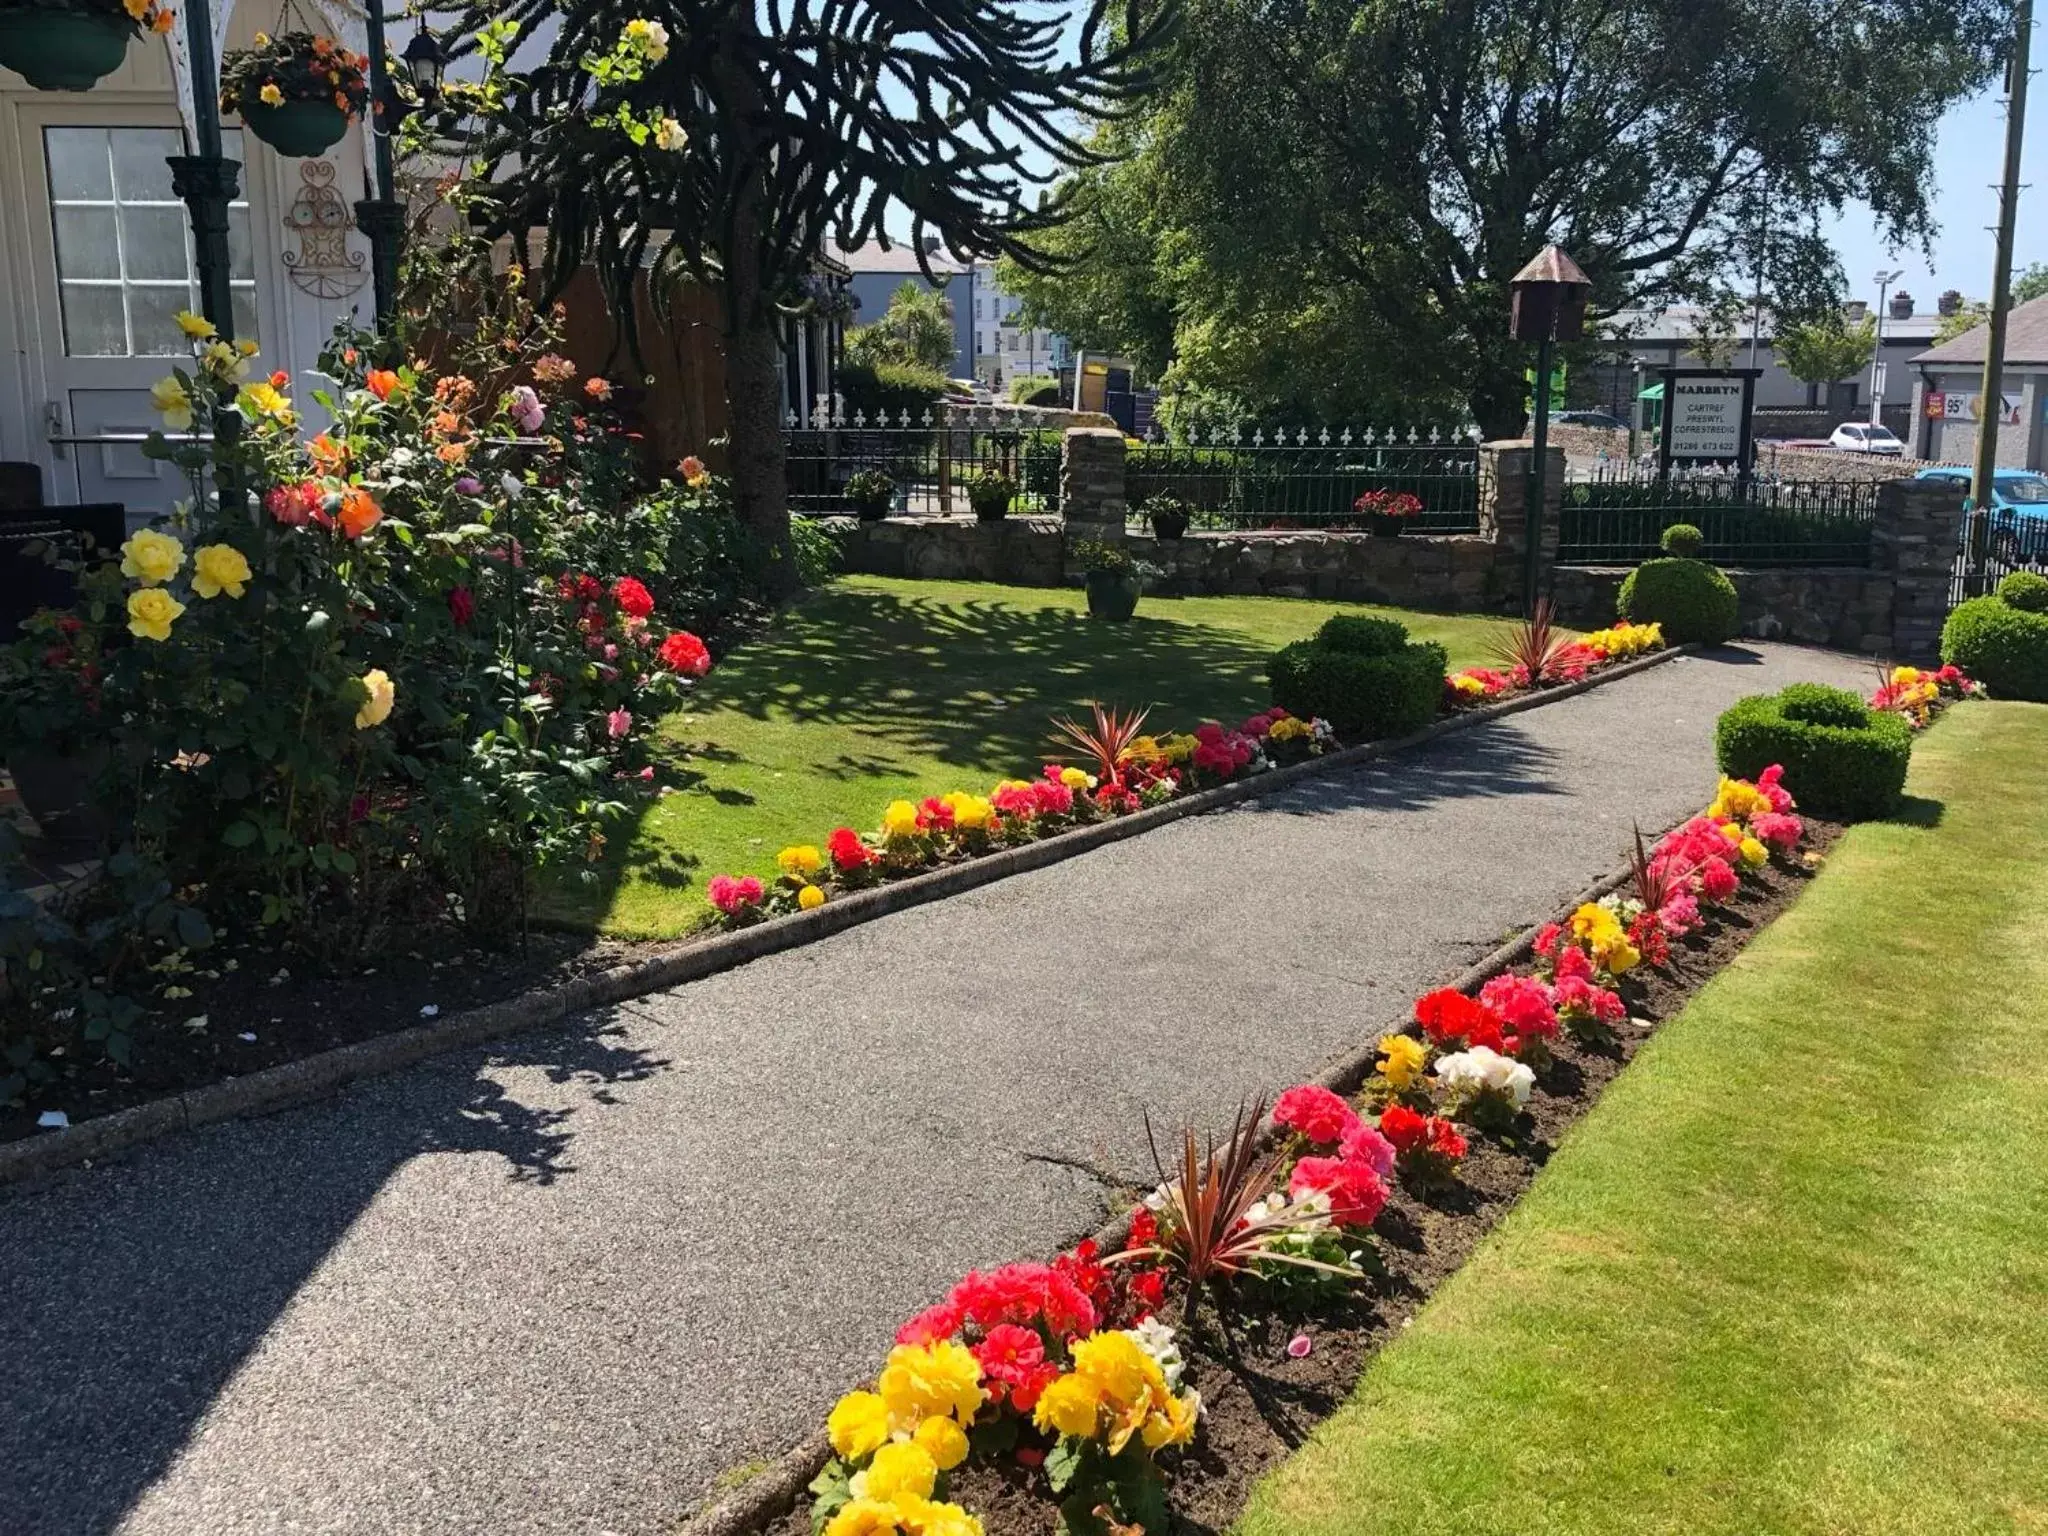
x=461 y=605
x=633 y=597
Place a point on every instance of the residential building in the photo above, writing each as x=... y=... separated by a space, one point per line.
x=1005 y=346
x=1949 y=398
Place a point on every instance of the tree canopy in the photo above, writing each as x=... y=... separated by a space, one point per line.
x=1826 y=349
x=1326 y=198
x=916 y=330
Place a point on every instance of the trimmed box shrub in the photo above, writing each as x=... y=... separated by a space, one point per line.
x=2002 y=645
x=1694 y=601
x=1683 y=540
x=2026 y=591
x=1845 y=760
x=1363 y=675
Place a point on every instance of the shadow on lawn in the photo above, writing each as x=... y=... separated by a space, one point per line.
x=135 y=1292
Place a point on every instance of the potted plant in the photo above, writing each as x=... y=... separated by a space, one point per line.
x=871 y=492
x=1167 y=514
x=989 y=492
x=1113 y=579
x=69 y=45
x=1386 y=513
x=296 y=91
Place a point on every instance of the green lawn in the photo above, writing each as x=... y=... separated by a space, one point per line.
x=872 y=688
x=1791 y=1274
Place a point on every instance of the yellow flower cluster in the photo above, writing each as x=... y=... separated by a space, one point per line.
x=912 y=1427
x=1293 y=728
x=1076 y=780
x=899 y=819
x=151 y=612
x=1403 y=1059
x=969 y=811
x=219 y=569
x=1115 y=1391
x=1738 y=800
x=1626 y=640
x=1752 y=852
x=800 y=860
x=1468 y=685
x=1178 y=749
x=1605 y=938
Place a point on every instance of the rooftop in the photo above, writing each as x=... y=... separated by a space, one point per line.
x=1682 y=322
x=901 y=257
x=2026 y=339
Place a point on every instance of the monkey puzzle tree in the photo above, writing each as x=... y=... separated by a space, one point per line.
x=723 y=140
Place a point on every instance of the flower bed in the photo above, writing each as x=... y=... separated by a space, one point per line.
x=1125 y=771
x=1147 y=1381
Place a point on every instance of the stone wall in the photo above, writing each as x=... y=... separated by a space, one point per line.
x=1019 y=551
x=1410 y=571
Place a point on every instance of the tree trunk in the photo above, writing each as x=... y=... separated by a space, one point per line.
x=753 y=396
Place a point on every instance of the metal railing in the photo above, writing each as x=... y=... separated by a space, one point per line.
x=1618 y=516
x=929 y=458
x=1296 y=479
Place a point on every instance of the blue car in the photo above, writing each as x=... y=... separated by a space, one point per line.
x=2019 y=510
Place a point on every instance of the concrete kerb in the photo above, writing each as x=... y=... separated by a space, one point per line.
x=313 y=1077
x=765 y=1498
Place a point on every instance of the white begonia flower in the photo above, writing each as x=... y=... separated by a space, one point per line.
x=1485 y=1069
x=1158 y=1340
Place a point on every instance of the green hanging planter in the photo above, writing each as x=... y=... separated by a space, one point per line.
x=62 y=50
x=301 y=129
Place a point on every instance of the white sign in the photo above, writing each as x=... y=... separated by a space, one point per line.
x=1706 y=418
x=1961 y=407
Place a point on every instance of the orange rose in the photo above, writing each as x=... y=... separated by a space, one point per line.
x=452 y=453
x=446 y=424
x=359 y=512
x=280 y=380
x=382 y=383
x=328 y=456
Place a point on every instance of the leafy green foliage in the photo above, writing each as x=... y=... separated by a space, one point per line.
x=916 y=331
x=1695 y=602
x=1363 y=676
x=1842 y=770
x=989 y=492
x=2025 y=590
x=1682 y=540
x=1098 y=1490
x=1362 y=635
x=1822 y=350
x=2003 y=647
x=890 y=389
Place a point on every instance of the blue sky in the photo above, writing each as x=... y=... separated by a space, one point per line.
x=1968 y=155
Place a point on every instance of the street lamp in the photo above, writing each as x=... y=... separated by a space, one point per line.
x=381 y=214
x=1884 y=281
x=1548 y=305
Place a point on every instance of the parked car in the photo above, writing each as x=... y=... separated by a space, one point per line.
x=1590 y=419
x=1866 y=437
x=2019 y=510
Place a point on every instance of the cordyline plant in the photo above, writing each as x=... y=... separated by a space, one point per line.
x=1105 y=741
x=1652 y=883
x=1532 y=646
x=1206 y=1228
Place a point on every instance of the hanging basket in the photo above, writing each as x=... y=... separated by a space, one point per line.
x=301 y=129
x=62 y=50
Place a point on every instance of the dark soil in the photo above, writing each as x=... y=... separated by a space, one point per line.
x=262 y=1010
x=1258 y=1404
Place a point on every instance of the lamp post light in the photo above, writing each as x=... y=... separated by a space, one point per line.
x=1548 y=305
x=1884 y=282
x=380 y=215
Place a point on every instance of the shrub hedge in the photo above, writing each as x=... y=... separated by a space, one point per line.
x=2026 y=591
x=1848 y=760
x=1694 y=601
x=1683 y=540
x=2003 y=646
x=1363 y=675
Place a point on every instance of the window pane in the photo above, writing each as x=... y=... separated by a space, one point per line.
x=153 y=318
x=244 y=303
x=153 y=243
x=78 y=163
x=85 y=243
x=141 y=172
x=241 y=260
x=93 y=326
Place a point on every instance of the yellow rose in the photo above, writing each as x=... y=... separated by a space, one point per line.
x=900 y=819
x=218 y=568
x=809 y=897
x=264 y=400
x=902 y=1470
x=151 y=558
x=944 y=1441
x=858 y=1425
x=801 y=859
x=863 y=1517
x=270 y=95
x=224 y=361
x=670 y=136
x=198 y=327
x=1068 y=1407
x=151 y=612
x=172 y=403
x=382 y=694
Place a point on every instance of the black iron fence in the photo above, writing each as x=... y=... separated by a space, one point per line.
x=922 y=466
x=1618 y=517
x=1307 y=480
x=1996 y=542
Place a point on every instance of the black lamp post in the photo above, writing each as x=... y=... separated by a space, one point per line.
x=381 y=214
x=1548 y=306
x=207 y=180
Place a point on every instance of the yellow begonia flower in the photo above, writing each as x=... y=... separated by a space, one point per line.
x=858 y=1425
x=1174 y=1423
x=198 y=327
x=270 y=95
x=1290 y=729
x=810 y=896
x=218 y=568
x=801 y=859
x=944 y=1441
x=383 y=693
x=900 y=819
x=1074 y=778
x=969 y=811
x=941 y=1377
x=901 y=1471
x=1122 y=1372
x=1616 y=955
x=151 y=558
x=670 y=136
x=1068 y=1406
x=924 y=1518
x=172 y=403
x=1403 y=1059
x=1754 y=852
x=863 y=1517
x=151 y=612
